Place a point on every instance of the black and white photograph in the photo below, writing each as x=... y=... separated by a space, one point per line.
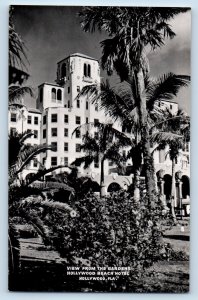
x=99 y=149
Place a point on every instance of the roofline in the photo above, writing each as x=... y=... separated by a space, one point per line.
x=48 y=83
x=80 y=55
x=35 y=112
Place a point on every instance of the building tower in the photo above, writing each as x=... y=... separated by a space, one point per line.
x=62 y=112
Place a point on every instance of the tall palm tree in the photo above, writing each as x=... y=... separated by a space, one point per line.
x=119 y=104
x=132 y=30
x=172 y=135
x=106 y=147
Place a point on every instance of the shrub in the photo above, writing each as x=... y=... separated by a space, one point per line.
x=112 y=231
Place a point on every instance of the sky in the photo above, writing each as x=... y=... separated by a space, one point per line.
x=52 y=33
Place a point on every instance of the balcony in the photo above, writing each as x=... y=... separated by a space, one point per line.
x=62 y=80
x=87 y=79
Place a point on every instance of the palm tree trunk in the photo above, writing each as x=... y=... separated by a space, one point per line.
x=173 y=191
x=103 y=191
x=148 y=160
x=136 y=186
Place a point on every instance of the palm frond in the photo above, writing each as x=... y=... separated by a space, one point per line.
x=30 y=178
x=165 y=88
x=16 y=93
x=86 y=160
x=164 y=137
x=47 y=185
x=40 y=202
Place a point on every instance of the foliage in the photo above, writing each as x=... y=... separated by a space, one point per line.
x=111 y=231
x=132 y=31
x=107 y=146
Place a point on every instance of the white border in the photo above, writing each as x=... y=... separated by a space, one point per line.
x=4 y=294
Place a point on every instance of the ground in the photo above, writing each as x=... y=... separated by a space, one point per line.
x=44 y=270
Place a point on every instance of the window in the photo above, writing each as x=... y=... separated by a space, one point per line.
x=78 y=147
x=44 y=161
x=66 y=132
x=96 y=135
x=29 y=131
x=54 y=146
x=35 y=120
x=44 y=120
x=59 y=95
x=66 y=147
x=87 y=104
x=12 y=130
x=110 y=163
x=54 y=131
x=96 y=121
x=53 y=161
x=78 y=103
x=53 y=94
x=68 y=89
x=78 y=135
x=87 y=70
x=87 y=120
x=96 y=107
x=13 y=117
x=35 y=163
x=41 y=95
x=78 y=89
x=36 y=134
x=44 y=133
x=77 y=120
x=68 y=104
x=66 y=161
x=66 y=119
x=54 y=118
x=171 y=106
x=29 y=120
x=63 y=70
x=96 y=163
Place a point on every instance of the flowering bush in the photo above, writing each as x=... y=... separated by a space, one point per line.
x=112 y=231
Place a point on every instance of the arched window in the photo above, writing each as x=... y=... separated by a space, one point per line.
x=89 y=71
x=53 y=94
x=63 y=70
x=59 y=95
x=85 y=70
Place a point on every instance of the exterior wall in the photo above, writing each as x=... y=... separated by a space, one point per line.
x=23 y=124
x=45 y=96
x=49 y=103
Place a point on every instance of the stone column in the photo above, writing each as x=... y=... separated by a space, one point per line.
x=162 y=196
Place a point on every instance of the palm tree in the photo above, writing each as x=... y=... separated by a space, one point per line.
x=23 y=201
x=106 y=147
x=173 y=134
x=119 y=104
x=132 y=30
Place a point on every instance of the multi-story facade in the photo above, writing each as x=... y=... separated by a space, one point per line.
x=59 y=111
